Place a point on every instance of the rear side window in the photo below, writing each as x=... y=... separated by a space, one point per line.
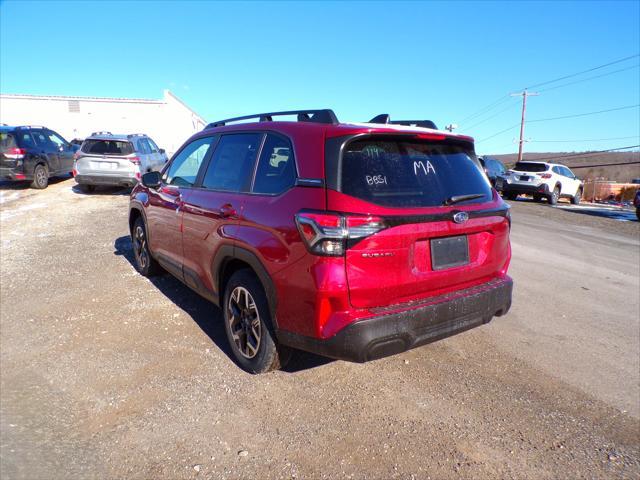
x=398 y=173
x=107 y=147
x=276 y=168
x=531 y=167
x=232 y=163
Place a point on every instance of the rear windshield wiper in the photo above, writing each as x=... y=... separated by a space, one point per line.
x=462 y=198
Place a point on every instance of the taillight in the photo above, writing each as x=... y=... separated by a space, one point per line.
x=330 y=234
x=15 y=153
x=135 y=160
x=545 y=175
x=76 y=155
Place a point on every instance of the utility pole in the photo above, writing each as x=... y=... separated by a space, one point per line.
x=524 y=95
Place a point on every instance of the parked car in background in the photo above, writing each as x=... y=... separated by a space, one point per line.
x=353 y=241
x=107 y=159
x=636 y=203
x=542 y=180
x=34 y=154
x=495 y=171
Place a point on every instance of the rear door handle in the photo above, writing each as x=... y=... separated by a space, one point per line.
x=227 y=211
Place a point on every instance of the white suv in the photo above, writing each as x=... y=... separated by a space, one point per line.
x=107 y=159
x=542 y=179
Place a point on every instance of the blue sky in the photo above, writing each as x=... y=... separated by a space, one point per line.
x=441 y=61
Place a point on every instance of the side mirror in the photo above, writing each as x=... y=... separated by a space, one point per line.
x=151 y=179
x=162 y=150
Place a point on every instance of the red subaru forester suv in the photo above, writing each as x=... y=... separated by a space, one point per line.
x=351 y=240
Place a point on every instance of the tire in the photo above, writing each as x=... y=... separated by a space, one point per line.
x=146 y=265
x=40 y=176
x=537 y=198
x=638 y=213
x=575 y=200
x=510 y=195
x=87 y=188
x=555 y=195
x=247 y=323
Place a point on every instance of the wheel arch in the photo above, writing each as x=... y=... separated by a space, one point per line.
x=230 y=259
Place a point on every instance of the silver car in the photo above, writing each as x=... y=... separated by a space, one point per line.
x=107 y=159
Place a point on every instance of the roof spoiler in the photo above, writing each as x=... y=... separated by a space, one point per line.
x=384 y=118
x=315 y=116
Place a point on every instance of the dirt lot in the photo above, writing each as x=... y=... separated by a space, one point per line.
x=105 y=374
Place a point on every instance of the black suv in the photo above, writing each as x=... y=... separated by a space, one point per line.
x=34 y=154
x=495 y=170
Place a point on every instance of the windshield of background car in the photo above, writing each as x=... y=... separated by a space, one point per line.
x=531 y=167
x=7 y=141
x=399 y=173
x=107 y=147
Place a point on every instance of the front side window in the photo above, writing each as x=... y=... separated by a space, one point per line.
x=276 y=167
x=185 y=166
x=408 y=173
x=232 y=162
x=58 y=141
x=152 y=146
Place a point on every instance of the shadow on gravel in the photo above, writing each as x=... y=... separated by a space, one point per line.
x=26 y=185
x=102 y=191
x=621 y=215
x=205 y=314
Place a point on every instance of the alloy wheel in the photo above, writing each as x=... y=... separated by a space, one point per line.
x=140 y=247
x=244 y=322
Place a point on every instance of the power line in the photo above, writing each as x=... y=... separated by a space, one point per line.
x=584 y=154
x=589 y=78
x=584 y=71
x=492 y=116
x=584 y=140
x=603 y=165
x=501 y=131
x=485 y=109
x=584 y=114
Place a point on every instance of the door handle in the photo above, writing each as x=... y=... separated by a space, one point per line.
x=227 y=211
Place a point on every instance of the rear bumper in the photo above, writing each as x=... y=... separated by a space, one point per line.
x=14 y=174
x=112 y=180
x=542 y=189
x=388 y=334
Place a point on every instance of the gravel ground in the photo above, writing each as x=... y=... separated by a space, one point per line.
x=105 y=374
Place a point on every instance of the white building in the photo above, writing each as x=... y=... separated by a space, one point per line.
x=168 y=121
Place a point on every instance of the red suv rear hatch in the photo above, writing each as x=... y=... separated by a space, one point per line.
x=410 y=190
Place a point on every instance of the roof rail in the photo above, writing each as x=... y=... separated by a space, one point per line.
x=316 y=116
x=31 y=126
x=385 y=118
x=101 y=133
x=136 y=135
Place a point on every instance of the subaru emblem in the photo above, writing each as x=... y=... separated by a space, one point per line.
x=460 y=217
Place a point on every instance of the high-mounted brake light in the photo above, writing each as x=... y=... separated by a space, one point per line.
x=15 y=153
x=330 y=234
x=430 y=136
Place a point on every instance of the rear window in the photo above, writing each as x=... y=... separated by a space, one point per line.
x=531 y=167
x=7 y=141
x=399 y=173
x=107 y=147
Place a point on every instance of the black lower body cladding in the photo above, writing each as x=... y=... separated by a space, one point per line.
x=388 y=334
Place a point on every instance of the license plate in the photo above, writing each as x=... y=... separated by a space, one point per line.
x=449 y=252
x=525 y=178
x=104 y=165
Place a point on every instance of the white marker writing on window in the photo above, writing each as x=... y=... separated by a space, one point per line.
x=417 y=166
